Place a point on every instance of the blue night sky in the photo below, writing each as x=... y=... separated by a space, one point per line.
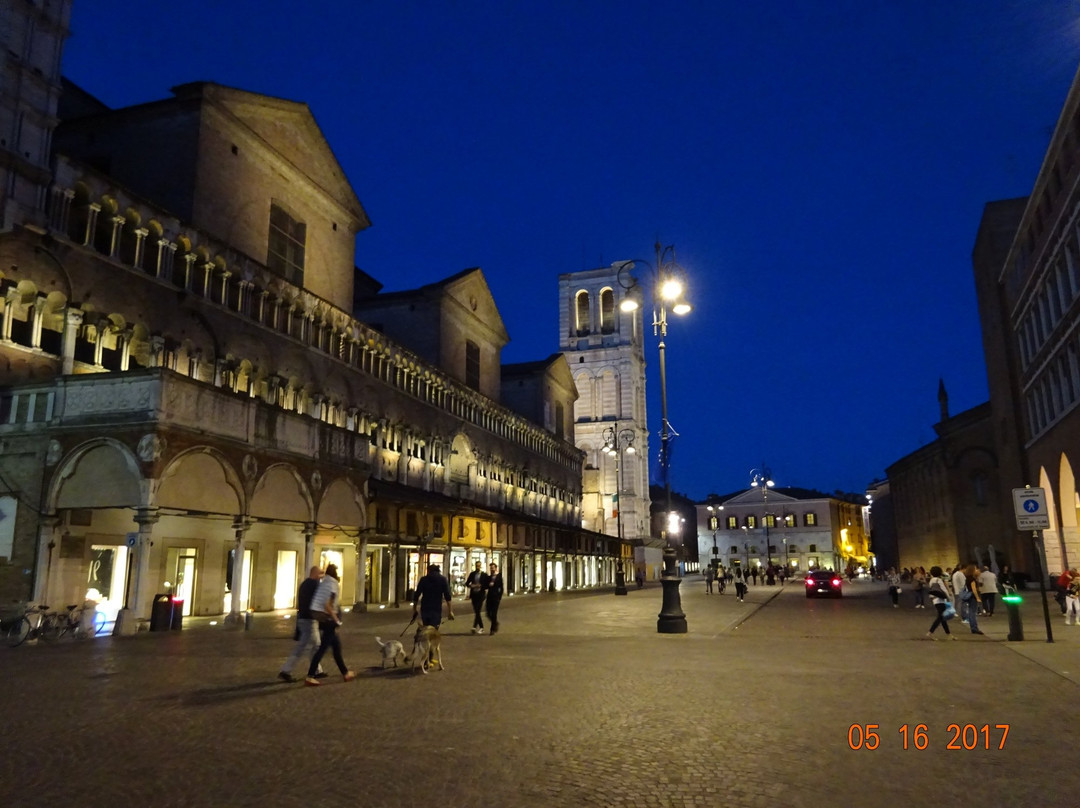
x=821 y=168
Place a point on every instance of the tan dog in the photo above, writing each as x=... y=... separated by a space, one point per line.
x=427 y=649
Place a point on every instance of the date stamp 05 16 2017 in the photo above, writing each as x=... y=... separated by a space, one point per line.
x=917 y=736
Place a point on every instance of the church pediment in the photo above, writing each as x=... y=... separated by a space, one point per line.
x=753 y=496
x=469 y=290
x=289 y=128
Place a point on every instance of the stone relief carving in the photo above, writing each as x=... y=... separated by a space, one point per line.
x=316 y=481
x=53 y=453
x=250 y=467
x=150 y=448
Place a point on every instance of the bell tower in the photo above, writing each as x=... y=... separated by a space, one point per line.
x=604 y=347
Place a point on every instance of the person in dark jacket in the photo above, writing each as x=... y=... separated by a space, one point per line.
x=307 y=630
x=476 y=585
x=428 y=598
x=494 y=596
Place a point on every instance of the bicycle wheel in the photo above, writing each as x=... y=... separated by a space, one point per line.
x=50 y=629
x=18 y=632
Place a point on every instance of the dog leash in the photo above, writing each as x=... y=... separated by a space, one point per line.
x=402 y=634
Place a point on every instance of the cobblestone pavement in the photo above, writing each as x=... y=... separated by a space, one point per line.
x=577 y=701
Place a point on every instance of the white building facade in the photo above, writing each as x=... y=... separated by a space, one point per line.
x=801 y=529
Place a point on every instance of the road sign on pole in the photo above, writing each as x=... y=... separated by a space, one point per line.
x=1029 y=505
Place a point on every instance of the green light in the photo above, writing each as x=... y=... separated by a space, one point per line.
x=1012 y=599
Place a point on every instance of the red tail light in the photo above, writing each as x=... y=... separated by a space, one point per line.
x=836 y=582
x=809 y=581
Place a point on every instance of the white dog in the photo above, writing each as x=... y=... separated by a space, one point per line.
x=392 y=650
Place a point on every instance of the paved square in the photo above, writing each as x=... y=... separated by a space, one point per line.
x=577 y=701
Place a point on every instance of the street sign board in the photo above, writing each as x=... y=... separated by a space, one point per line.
x=1029 y=505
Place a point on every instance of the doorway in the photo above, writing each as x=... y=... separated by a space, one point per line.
x=180 y=572
x=285 y=580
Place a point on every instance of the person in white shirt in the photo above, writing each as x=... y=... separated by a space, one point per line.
x=959 y=582
x=988 y=587
x=326 y=610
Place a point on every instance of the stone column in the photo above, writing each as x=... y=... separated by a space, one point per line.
x=99 y=341
x=48 y=538
x=157 y=351
x=235 y=617
x=140 y=244
x=93 y=209
x=9 y=315
x=73 y=319
x=123 y=340
x=136 y=600
x=37 y=314
x=114 y=242
x=392 y=595
x=361 y=575
x=163 y=268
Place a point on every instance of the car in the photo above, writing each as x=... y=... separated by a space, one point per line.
x=822 y=583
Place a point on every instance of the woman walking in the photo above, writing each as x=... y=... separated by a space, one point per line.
x=940 y=599
x=919 y=585
x=894 y=587
x=325 y=609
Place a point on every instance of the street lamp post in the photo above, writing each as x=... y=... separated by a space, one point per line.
x=762 y=478
x=668 y=290
x=714 y=517
x=614 y=441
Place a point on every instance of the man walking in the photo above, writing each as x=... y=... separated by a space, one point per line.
x=988 y=588
x=476 y=585
x=307 y=630
x=428 y=599
x=959 y=583
x=494 y=596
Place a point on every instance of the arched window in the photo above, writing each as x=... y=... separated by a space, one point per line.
x=607 y=311
x=582 y=321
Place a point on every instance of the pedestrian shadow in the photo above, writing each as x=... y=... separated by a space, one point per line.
x=226 y=693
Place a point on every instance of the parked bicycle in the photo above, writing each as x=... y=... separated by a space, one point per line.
x=38 y=622
x=81 y=622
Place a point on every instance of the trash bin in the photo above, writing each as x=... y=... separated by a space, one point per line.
x=1016 y=625
x=161 y=613
x=177 y=622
